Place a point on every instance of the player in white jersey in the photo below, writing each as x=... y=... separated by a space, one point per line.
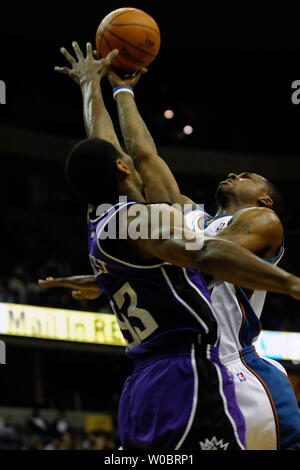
x=225 y=294
x=264 y=393
x=238 y=311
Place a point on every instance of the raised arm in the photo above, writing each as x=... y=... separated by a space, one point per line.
x=87 y=72
x=160 y=183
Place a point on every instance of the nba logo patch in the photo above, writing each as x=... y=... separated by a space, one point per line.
x=220 y=227
x=241 y=377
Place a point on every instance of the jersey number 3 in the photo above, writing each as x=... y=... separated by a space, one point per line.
x=148 y=324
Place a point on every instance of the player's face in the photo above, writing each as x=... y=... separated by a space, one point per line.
x=246 y=187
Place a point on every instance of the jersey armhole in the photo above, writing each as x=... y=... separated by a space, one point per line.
x=103 y=249
x=195 y=219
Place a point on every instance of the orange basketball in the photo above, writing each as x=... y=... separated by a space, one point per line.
x=134 y=33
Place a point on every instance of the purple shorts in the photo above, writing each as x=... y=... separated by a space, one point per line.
x=181 y=401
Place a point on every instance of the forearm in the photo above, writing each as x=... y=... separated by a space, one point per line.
x=81 y=280
x=160 y=183
x=96 y=118
x=72 y=282
x=137 y=138
x=229 y=262
x=221 y=259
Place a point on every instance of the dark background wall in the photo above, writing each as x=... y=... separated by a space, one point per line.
x=226 y=72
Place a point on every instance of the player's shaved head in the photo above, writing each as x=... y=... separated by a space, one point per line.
x=90 y=170
x=277 y=198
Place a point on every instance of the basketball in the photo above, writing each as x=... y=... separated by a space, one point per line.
x=134 y=33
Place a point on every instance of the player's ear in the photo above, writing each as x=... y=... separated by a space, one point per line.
x=265 y=201
x=122 y=167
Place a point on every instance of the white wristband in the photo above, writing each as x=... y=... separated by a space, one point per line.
x=118 y=89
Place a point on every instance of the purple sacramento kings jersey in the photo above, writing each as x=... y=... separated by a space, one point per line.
x=179 y=395
x=156 y=305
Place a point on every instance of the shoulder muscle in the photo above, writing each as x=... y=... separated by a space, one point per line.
x=257 y=229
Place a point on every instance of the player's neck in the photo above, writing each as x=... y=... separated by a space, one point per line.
x=231 y=207
x=131 y=191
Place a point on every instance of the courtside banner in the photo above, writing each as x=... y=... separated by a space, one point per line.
x=59 y=324
x=102 y=328
x=280 y=345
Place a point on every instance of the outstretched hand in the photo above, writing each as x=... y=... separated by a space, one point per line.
x=115 y=80
x=86 y=68
x=83 y=287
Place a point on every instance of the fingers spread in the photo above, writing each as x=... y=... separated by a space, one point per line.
x=89 y=49
x=64 y=70
x=77 y=50
x=67 y=56
x=111 y=56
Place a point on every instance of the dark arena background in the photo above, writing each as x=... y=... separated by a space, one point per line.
x=229 y=86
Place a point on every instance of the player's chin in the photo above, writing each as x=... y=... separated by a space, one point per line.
x=222 y=189
x=222 y=186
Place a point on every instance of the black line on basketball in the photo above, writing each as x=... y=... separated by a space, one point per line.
x=106 y=40
x=102 y=37
x=139 y=25
x=116 y=58
x=120 y=14
x=129 y=44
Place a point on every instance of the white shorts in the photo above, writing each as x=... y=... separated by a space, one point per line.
x=266 y=399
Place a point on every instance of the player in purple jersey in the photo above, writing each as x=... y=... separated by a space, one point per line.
x=213 y=440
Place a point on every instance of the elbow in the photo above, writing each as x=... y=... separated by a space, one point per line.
x=210 y=256
x=138 y=151
x=145 y=154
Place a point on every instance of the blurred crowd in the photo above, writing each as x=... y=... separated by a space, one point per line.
x=22 y=287
x=38 y=434
x=53 y=245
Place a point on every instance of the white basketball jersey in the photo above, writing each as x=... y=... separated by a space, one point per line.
x=238 y=310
